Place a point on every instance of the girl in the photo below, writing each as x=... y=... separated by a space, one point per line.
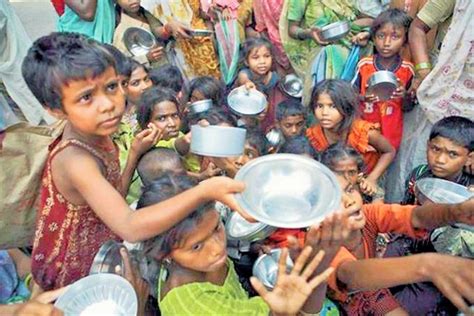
x=197 y=277
x=205 y=87
x=335 y=104
x=346 y=161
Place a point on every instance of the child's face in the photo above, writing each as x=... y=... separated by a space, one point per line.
x=124 y=82
x=129 y=6
x=166 y=118
x=347 y=168
x=327 y=113
x=389 y=40
x=231 y=165
x=196 y=95
x=138 y=83
x=93 y=106
x=292 y=125
x=351 y=203
x=446 y=158
x=260 y=60
x=204 y=248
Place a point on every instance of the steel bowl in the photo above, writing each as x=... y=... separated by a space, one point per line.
x=108 y=258
x=244 y=102
x=99 y=294
x=239 y=229
x=275 y=138
x=335 y=31
x=200 y=33
x=200 y=106
x=382 y=84
x=138 y=41
x=217 y=141
x=292 y=85
x=265 y=268
x=288 y=190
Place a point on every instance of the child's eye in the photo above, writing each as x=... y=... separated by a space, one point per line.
x=85 y=98
x=453 y=154
x=197 y=247
x=176 y=116
x=435 y=149
x=134 y=83
x=113 y=86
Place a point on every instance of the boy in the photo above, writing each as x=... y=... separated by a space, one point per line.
x=81 y=200
x=290 y=118
x=389 y=33
x=157 y=161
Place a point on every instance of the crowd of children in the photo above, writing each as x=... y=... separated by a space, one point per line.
x=123 y=170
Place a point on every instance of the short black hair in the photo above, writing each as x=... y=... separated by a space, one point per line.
x=458 y=129
x=298 y=145
x=340 y=151
x=56 y=59
x=210 y=88
x=158 y=161
x=256 y=139
x=149 y=99
x=123 y=63
x=167 y=76
x=289 y=107
x=396 y=17
x=214 y=116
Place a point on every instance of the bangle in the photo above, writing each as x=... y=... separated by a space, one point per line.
x=425 y=65
x=27 y=280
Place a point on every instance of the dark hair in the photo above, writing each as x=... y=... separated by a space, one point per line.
x=149 y=99
x=157 y=161
x=214 y=116
x=252 y=43
x=135 y=65
x=162 y=189
x=396 y=17
x=123 y=63
x=256 y=139
x=298 y=145
x=340 y=151
x=210 y=88
x=457 y=129
x=167 y=76
x=289 y=108
x=56 y=59
x=343 y=97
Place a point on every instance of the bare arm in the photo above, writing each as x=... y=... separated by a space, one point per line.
x=418 y=45
x=430 y=215
x=387 y=153
x=84 y=8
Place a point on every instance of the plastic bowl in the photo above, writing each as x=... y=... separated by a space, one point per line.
x=265 y=267
x=335 y=31
x=382 y=84
x=288 y=191
x=239 y=229
x=99 y=294
x=138 y=41
x=245 y=102
x=217 y=141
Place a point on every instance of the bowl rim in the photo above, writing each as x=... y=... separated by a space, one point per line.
x=334 y=24
x=240 y=89
x=136 y=29
x=285 y=80
x=420 y=188
x=217 y=129
x=261 y=227
x=262 y=257
x=240 y=176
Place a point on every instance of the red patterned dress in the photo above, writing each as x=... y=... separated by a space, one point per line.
x=68 y=236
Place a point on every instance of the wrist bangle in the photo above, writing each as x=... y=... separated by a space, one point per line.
x=425 y=65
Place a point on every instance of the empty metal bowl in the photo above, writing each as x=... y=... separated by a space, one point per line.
x=99 y=294
x=138 y=41
x=108 y=258
x=335 y=31
x=275 y=138
x=200 y=106
x=382 y=84
x=217 y=141
x=292 y=85
x=240 y=229
x=265 y=268
x=288 y=190
x=246 y=102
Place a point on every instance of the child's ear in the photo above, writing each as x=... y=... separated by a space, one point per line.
x=57 y=113
x=469 y=165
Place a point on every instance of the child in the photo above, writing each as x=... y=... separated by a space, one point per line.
x=299 y=145
x=291 y=118
x=156 y=162
x=389 y=33
x=334 y=104
x=139 y=82
x=346 y=161
x=197 y=278
x=360 y=281
x=206 y=87
x=81 y=204
x=168 y=76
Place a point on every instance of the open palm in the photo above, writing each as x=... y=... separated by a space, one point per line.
x=292 y=290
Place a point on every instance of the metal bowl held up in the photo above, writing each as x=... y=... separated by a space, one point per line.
x=292 y=85
x=217 y=141
x=335 y=31
x=200 y=106
x=288 y=191
x=138 y=41
x=275 y=137
x=240 y=229
x=108 y=258
x=200 y=33
x=99 y=294
x=265 y=268
x=246 y=102
x=382 y=84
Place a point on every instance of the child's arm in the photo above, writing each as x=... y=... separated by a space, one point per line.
x=84 y=8
x=452 y=275
x=182 y=144
x=86 y=182
x=387 y=153
x=430 y=215
x=243 y=79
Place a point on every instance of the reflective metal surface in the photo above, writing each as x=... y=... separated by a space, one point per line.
x=138 y=41
x=217 y=141
x=238 y=228
x=292 y=85
x=265 y=268
x=288 y=191
x=200 y=106
x=441 y=191
x=246 y=102
x=107 y=258
x=382 y=84
x=335 y=31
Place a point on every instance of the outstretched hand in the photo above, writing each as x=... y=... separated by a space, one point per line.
x=292 y=290
x=146 y=139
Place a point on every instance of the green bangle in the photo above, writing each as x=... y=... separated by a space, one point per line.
x=28 y=279
x=425 y=65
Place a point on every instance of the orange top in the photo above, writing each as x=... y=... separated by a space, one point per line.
x=380 y=218
x=358 y=138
